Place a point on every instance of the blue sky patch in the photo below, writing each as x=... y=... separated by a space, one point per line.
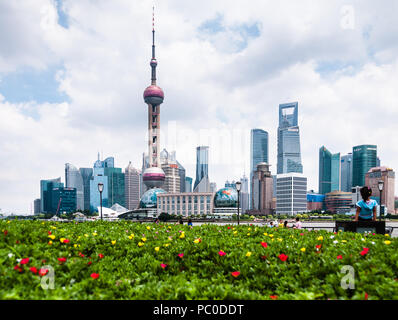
x=62 y=17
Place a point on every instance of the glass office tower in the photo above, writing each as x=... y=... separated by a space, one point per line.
x=364 y=157
x=74 y=179
x=258 y=150
x=329 y=171
x=87 y=174
x=289 y=156
x=202 y=169
x=46 y=189
x=346 y=172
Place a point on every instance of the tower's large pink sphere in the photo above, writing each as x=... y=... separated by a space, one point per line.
x=153 y=177
x=153 y=95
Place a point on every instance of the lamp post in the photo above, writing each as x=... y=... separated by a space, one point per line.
x=238 y=185
x=100 y=189
x=380 y=185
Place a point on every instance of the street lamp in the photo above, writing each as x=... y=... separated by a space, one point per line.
x=238 y=185
x=380 y=185
x=100 y=189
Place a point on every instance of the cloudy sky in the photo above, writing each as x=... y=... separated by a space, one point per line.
x=72 y=75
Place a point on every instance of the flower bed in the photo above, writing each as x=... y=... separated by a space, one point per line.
x=126 y=260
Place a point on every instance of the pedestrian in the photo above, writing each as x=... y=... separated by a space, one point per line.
x=190 y=222
x=180 y=221
x=366 y=208
x=298 y=224
x=285 y=224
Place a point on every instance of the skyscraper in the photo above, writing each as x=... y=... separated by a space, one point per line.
x=171 y=169
x=36 y=206
x=116 y=186
x=346 y=173
x=74 y=179
x=87 y=174
x=244 y=194
x=329 y=171
x=291 y=193
x=289 y=155
x=132 y=187
x=46 y=189
x=188 y=184
x=258 y=149
x=262 y=189
x=364 y=157
x=387 y=175
x=98 y=177
x=63 y=200
x=202 y=183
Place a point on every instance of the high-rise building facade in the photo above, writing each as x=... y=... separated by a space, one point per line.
x=98 y=177
x=213 y=187
x=346 y=172
x=291 y=193
x=387 y=175
x=181 y=173
x=259 y=147
x=115 y=186
x=188 y=184
x=63 y=200
x=132 y=187
x=244 y=194
x=87 y=174
x=46 y=189
x=262 y=189
x=289 y=155
x=329 y=171
x=36 y=206
x=74 y=179
x=202 y=183
x=364 y=157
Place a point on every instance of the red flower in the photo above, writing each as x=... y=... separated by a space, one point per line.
x=43 y=272
x=366 y=296
x=180 y=255
x=318 y=246
x=17 y=241
x=364 y=251
x=100 y=255
x=94 y=275
x=263 y=257
x=5 y=232
x=62 y=260
x=81 y=254
x=235 y=274
x=43 y=261
x=339 y=257
x=274 y=297
x=229 y=227
x=33 y=269
x=264 y=244
x=221 y=253
x=25 y=261
x=17 y=267
x=283 y=257
x=66 y=241
x=301 y=234
x=163 y=265
x=49 y=232
x=89 y=263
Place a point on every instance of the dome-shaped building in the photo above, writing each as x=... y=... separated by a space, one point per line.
x=149 y=198
x=226 y=198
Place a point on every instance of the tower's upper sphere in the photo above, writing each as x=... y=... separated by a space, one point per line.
x=153 y=177
x=153 y=63
x=153 y=95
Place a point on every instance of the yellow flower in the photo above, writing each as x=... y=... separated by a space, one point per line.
x=279 y=239
x=248 y=234
x=235 y=232
x=170 y=239
x=271 y=235
x=157 y=249
x=53 y=227
x=166 y=244
x=266 y=234
x=249 y=229
x=196 y=241
x=94 y=234
x=143 y=239
x=387 y=235
x=248 y=254
x=8 y=221
x=320 y=238
x=387 y=242
x=52 y=237
x=78 y=238
x=86 y=235
x=113 y=242
x=169 y=227
x=75 y=245
x=50 y=242
x=182 y=236
x=130 y=237
x=62 y=240
x=302 y=249
x=140 y=244
x=344 y=241
x=148 y=228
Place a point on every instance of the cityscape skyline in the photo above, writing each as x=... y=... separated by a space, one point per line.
x=74 y=120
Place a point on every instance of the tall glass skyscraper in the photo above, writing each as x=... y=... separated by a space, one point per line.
x=87 y=174
x=329 y=171
x=289 y=156
x=74 y=179
x=364 y=158
x=115 y=186
x=346 y=173
x=258 y=150
x=46 y=189
x=202 y=183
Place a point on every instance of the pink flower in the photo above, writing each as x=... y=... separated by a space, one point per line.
x=283 y=257
x=235 y=274
x=364 y=251
x=180 y=255
x=81 y=254
x=339 y=257
x=163 y=265
x=221 y=253
x=94 y=275
x=366 y=296
x=43 y=272
x=62 y=259
x=100 y=255
x=24 y=261
x=33 y=269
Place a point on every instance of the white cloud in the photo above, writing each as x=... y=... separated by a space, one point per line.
x=105 y=53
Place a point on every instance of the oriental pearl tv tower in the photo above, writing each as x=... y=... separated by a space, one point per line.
x=153 y=176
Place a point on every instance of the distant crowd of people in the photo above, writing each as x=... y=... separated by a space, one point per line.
x=280 y=224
